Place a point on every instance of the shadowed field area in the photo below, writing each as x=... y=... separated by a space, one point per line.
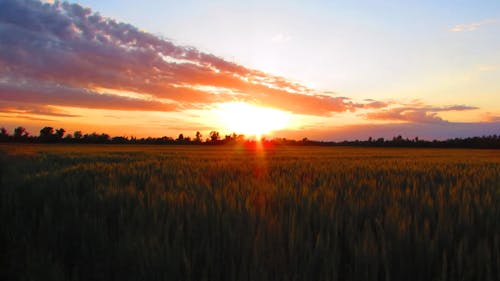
x=104 y=212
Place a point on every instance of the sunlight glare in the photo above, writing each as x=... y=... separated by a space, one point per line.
x=250 y=120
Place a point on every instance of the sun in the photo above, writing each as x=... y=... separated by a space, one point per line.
x=251 y=120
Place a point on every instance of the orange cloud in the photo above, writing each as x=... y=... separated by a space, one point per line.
x=42 y=94
x=62 y=54
x=33 y=109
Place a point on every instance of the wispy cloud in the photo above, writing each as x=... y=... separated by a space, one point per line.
x=472 y=26
x=371 y=103
x=24 y=116
x=415 y=114
x=33 y=110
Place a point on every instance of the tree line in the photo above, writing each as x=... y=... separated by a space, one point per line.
x=51 y=135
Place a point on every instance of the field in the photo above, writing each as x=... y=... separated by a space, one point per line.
x=107 y=212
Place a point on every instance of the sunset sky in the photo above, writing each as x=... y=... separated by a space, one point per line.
x=326 y=70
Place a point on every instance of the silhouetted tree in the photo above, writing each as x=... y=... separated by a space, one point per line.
x=198 y=137
x=119 y=140
x=20 y=133
x=46 y=131
x=233 y=138
x=95 y=138
x=214 y=136
x=77 y=135
x=4 y=135
x=46 y=134
x=60 y=133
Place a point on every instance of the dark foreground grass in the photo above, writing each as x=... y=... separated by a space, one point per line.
x=232 y=213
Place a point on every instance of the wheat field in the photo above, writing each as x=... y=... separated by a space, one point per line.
x=118 y=212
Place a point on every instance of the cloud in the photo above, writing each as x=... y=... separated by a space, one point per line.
x=371 y=103
x=33 y=109
x=24 y=116
x=490 y=117
x=472 y=26
x=416 y=114
x=64 y=54
x=408 y=115
x=38 y=92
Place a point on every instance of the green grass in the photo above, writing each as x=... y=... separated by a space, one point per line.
x=233 y=213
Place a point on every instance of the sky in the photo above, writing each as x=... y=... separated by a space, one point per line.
x=326 y=70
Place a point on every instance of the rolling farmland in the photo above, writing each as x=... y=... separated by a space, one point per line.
x=132 y=212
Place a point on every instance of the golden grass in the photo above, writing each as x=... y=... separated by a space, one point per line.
x=104 y=212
